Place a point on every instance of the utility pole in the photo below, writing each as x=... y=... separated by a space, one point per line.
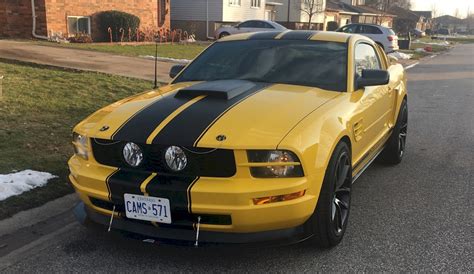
x=289 y=4
x=207 y=19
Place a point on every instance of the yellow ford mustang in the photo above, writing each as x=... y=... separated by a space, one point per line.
x=258 y=140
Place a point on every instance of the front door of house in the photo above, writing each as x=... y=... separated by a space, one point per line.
x=269 y=14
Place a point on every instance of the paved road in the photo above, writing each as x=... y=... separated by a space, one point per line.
x=416 y=216
x=84 y=60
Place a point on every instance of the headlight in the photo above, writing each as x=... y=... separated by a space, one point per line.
x=132 y=154
x=81 y=145
x=280 y=163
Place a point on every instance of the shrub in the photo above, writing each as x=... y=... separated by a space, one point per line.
x=117 y=20
x=80 y=38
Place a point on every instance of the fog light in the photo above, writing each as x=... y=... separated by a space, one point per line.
x=176 y=158
x=278 y=198
x=132 y=154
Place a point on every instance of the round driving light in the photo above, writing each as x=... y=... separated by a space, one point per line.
x=132 y=154
x=175 y=158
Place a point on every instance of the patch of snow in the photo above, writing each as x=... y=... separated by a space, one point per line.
x=401 y=55
x=420 y=50
x=166 y=59
x=16 y=183
x=442 y=43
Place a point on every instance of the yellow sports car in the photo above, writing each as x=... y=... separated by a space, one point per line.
x=258 y=140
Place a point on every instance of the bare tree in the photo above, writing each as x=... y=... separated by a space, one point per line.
x=457 y=14
x=434 y=11
x=384 y=5
x=311 y=8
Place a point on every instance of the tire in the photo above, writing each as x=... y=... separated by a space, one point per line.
x=330 y=218
x=223 y=34
x=396 y=145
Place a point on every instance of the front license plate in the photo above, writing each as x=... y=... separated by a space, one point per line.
x=147 y=208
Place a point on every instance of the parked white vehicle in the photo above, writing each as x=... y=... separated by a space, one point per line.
x=248 y=26
x=383 y=36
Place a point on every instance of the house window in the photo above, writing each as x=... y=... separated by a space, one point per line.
x=234 y=2
x=255 y=3
x=78 y=24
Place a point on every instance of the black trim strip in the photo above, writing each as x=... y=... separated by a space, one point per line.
x=267 y=35
x=176 y=189
x=125 y=181
x=107 y=183
x=189 y=126
x=141 y=125
x=298 y=35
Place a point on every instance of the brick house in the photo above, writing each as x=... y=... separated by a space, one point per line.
x=68 y=17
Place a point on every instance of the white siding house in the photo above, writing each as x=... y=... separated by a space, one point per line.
x=192 y=15
x=291 y=13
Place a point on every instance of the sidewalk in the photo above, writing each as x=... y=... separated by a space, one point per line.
x=84 y=60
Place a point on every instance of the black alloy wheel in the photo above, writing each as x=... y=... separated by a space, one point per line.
x=402 y=135
x=342 y=193
x=330 y=218
x=395 y=148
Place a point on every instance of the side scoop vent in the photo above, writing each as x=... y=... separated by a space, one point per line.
x=222 y=89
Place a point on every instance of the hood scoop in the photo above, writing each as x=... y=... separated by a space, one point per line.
x=221 y=89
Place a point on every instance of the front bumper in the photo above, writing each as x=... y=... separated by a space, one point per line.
x=90 y=217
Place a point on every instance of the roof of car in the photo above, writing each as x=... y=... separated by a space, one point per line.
x=367 y=24
x=293 y=35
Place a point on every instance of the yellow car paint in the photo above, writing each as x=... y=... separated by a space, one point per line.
x=308 y=121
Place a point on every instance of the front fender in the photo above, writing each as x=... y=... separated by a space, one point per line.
x=314 y=140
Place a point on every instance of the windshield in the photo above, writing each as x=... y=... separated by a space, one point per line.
x=297 y=62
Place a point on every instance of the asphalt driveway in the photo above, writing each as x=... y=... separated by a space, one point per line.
x=417 y=216
x=84 y=60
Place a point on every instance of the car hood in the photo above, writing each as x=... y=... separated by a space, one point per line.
x=224 y=114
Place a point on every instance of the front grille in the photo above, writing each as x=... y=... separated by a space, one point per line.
x=201 y=162
x=211 y=219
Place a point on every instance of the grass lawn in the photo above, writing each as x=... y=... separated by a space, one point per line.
x=419 y=55
x=39 y=107
x=177 y=51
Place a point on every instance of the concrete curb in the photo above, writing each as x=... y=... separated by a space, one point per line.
x=33 y=248
x=33 y=216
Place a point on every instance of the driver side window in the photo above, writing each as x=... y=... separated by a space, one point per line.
x=248 y=24
x=349 y=29
x=366 y=58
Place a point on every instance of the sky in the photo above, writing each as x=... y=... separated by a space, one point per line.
x=445 y=6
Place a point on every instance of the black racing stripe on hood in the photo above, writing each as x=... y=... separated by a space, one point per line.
x=177 y=190
x=125 y=181
x=298 y=35
x=267 y=35
x=141 y=125
x=189 y=126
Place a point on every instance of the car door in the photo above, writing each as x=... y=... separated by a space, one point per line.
x=372 y=32
x=373 y=106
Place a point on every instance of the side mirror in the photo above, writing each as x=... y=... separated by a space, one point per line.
x=372 y=77
x=175 y=70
